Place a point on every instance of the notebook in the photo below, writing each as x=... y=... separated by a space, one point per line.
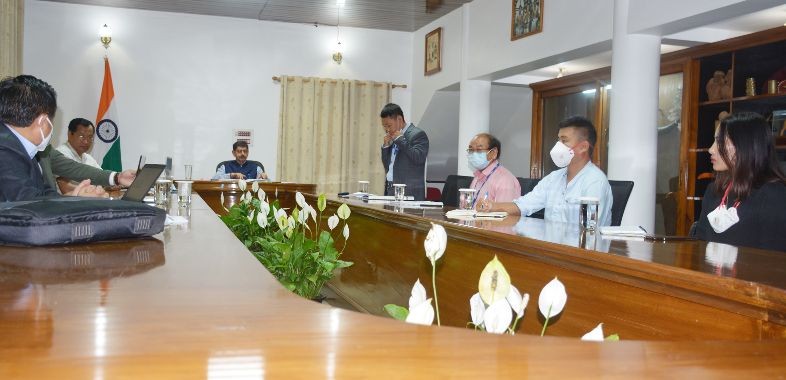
x=145 y=179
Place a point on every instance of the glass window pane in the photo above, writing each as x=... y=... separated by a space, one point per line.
x=669 y=132
x=558 y=108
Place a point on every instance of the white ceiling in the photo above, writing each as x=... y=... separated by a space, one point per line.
x=402 y=15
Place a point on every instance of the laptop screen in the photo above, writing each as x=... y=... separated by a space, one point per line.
x=145 y=179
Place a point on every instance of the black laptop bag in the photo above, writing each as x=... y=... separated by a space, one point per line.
x=68 y=220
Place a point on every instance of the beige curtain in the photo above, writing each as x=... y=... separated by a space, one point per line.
x=329 y=133
x=11 y=28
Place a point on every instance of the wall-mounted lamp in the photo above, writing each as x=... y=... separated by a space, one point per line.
x=338 y=56
x=561 y=72
x=105 y=34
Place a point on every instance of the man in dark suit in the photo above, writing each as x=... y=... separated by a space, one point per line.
x=241 y=167
x=404 y=153
x=26 y=106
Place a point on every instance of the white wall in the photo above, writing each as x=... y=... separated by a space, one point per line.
x=511 y=123
x=184 y=82
x=441 y=120
x=423 y=87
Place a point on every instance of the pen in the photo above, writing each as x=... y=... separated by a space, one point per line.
x=642 y=228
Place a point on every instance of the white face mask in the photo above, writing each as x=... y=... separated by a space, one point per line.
x=561 y=154
x=477 y=160
x=722 y=218
x=45 y=139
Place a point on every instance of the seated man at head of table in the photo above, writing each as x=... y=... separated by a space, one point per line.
x=80 y=139
x=492 y=180
x=559 y=192
x=241 y=167
x=26 y=106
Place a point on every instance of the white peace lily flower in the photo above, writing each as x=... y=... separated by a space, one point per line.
x=242 y=198
x=302 y=216
x=332 y=222
x=552 y=296
x=300 y=199
x=477 y=309
x=418 y=294
x=250 y=217
x=292 y=223
x=241 y=185
x=262 y=219
x=248 y=196
x=281 y=219
x=596 y=335
x=264 y=208
x=435 y=242
x=516 y=301
x=346 y=231
x=261 y=195
x=254 y=186
x=313 y=213
x=421 y=314
x=494 y=283
x=497 y=317
x=343 y=211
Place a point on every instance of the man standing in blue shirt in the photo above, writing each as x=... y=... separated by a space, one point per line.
x=559 y=192
x=240 y=167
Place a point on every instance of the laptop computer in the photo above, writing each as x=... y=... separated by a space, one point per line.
x=145 y=179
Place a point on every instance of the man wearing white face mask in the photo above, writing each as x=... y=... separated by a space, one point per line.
x=492 y=181
x=26 y=106
x=559 y=192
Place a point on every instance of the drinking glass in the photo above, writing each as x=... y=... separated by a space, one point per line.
x=184 y=192
x=162 y=191
x=467 y=198
x=588 y=213
x=363 y=187
x=398 y=191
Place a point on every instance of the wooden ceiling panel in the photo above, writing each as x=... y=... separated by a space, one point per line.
x=401 y=15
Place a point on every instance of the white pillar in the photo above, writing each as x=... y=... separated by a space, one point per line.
x=474 y=101
x=635 y=71
x=474 y=105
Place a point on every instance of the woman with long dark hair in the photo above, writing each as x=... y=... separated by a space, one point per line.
x=746 y=204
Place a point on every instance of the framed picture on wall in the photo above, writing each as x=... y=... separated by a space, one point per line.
x=433 y=56
x=526 y=18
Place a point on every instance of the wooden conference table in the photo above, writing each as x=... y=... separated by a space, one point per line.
x=193 y=303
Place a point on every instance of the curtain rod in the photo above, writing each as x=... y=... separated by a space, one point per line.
x=278 y=79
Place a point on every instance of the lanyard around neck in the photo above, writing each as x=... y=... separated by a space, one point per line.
x=726 y=196
x=477 y=193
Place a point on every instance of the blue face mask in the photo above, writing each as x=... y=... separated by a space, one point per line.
x=478 y=160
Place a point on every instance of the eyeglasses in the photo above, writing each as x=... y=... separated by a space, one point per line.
x=86 y=138
x=470 y=150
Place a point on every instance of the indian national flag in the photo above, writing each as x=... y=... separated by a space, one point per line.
x=106 y=148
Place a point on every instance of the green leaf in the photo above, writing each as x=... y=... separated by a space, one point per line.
x=321 y=202
x=343 y=211
x=397 y=312
x=613 y=338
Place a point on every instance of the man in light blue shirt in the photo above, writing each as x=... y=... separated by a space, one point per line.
x=559 y=192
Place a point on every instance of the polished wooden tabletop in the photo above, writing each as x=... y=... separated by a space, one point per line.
x=193 y=303
x=743 y=263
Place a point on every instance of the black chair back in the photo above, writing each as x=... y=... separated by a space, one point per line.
x=453 y=183
x=620 y=192
x=527 y=184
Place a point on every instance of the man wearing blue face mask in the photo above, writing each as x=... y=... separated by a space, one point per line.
x=492 y=181
x=559 y=192
x=26 y=106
